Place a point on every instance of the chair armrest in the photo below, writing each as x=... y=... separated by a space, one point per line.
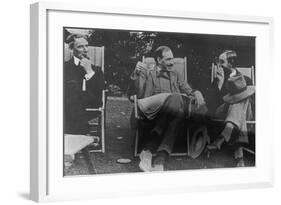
x=212 y=73
x=94 y=109
x=103 y=98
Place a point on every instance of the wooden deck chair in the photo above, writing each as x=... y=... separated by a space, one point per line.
x=250 y=73
x=180 y=66
x=97 y=125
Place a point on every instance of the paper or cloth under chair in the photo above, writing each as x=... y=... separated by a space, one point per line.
x=74 y=143
x=123 y=161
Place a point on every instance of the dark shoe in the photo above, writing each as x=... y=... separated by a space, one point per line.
x=157 y=168
x=216 y=145
x=207 y=152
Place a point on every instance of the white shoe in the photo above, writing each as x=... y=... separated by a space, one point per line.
x=145 y=161
x=240 y=162
x=157 y=168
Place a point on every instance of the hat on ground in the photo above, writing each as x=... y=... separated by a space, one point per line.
x=237 y=89
x=198 y=142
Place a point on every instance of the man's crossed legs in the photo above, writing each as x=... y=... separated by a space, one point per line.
x=167 y=125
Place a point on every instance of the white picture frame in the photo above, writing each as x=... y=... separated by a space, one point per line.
x=46 y=178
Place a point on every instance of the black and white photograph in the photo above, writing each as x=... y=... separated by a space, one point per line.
x=149 y=101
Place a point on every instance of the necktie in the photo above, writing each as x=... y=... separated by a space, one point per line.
x=84 y=80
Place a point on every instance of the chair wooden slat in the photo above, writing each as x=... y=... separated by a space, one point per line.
x=180 y=66
x=149 y=61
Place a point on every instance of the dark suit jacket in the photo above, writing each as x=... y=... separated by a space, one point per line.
x=92 y=97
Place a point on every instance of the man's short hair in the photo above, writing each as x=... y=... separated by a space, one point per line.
x=158 y=53
x=71 y=38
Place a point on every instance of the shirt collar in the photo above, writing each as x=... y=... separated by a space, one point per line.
x=159 y=70
x=162 y=73
x=233 y=73
x=76 y=60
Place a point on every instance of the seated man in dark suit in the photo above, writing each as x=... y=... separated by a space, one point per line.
x=83 y=85
x=160 y=91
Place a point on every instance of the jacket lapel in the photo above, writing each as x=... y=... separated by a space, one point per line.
x=173 y=77
x=153 y=76
x=173 y=80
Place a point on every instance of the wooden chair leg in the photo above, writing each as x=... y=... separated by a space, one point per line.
x=136 y=143
x=188 y=142
x=102 y=131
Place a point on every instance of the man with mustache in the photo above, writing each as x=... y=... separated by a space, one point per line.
x=83 y=85
x=159 y=91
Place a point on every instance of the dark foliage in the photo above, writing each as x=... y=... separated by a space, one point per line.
x=125 y=48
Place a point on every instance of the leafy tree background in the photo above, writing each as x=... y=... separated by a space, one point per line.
x=124 y=48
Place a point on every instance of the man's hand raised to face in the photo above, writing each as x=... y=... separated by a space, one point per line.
x=86 y=64
x=141 y=67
